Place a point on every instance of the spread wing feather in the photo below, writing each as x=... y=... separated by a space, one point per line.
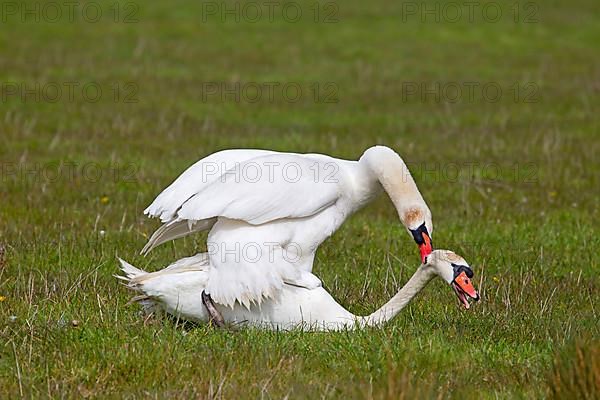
x=195 y=179
x=256 y=186
x=265 y=189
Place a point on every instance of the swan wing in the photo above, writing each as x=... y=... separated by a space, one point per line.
x=267 y=188
x=195 y=179
x=255 y=186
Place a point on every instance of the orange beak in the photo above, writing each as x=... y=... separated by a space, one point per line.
x=463 y=286
x=426 y=248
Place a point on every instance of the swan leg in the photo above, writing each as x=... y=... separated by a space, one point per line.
x=215 y=316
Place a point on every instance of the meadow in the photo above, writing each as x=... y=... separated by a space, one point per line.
x=497 y=115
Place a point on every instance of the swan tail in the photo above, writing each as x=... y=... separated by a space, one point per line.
x=130 y=271
x=132 y=278
x=175 y=230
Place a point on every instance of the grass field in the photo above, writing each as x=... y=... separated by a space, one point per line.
x=512 y=181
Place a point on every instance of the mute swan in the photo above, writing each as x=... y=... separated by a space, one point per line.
x=280 y=207
x=176 y=289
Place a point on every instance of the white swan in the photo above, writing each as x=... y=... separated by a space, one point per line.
x=176 y=289
x=267 y=213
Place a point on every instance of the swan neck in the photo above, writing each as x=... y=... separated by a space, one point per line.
x=390 y=309
x=395 y=177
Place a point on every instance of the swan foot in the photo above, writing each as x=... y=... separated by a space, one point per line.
x=215 y=316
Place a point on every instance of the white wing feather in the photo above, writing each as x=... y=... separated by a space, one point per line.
x=267 y=188
x=195 y=179
x=221 y=185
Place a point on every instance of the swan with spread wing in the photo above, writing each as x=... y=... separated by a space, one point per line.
x=267 y=212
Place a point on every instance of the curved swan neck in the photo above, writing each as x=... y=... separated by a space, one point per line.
x=390 y=309
x=393 y=174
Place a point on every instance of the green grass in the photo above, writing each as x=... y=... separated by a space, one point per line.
x=529 y=230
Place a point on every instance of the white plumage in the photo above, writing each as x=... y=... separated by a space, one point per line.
x=177 y=288
x=268 y=212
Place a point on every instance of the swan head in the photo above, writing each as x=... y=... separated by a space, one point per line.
x=456 y=272
x=417 y=221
